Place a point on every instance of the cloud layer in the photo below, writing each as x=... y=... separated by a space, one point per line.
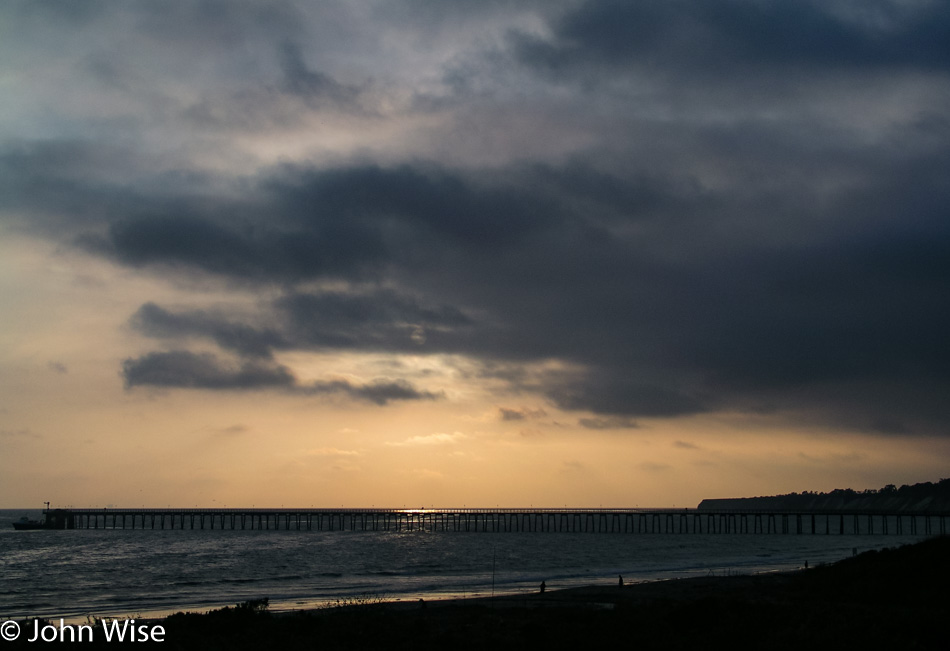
x=693 y=207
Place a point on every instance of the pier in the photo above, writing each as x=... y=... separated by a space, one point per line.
x=618 y=521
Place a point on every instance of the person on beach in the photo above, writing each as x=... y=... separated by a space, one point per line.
x=543 y=586
x=621 y=580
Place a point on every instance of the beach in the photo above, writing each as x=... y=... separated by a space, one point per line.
x=893 y=598
x=146 y=573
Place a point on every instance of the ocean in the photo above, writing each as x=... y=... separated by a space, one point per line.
x=143 y=572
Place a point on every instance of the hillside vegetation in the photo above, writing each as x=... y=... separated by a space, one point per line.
x=919 y=497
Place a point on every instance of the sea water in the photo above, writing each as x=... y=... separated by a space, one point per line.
x=111 y=572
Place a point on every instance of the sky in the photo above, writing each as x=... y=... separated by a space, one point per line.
x=471 y=253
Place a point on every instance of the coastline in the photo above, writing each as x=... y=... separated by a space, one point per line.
x=594 y=595
x=893 y=597
x=143 y=573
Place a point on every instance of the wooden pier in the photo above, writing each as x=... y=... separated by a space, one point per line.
x=631 y=521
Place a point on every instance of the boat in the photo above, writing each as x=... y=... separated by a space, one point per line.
x=25 y=523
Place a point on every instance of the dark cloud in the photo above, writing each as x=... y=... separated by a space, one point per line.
x=415 y=204
x=380 y=392
x=847 y=310
x=736 y=37
x=183 y=240
x=621 y=396
x=312 y=85
x=57 y=184
x=188 y=370
x=240 y=338
x=375 y=320
x=69 y=13
x=331 y=250
x=217 y=24
x=634 y=284
x=508 y=414
x=185 y=369
x=380 y=320
x=511 y=414
x=345 y=223
x=615 y=422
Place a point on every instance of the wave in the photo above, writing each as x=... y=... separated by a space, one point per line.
x=163 y=569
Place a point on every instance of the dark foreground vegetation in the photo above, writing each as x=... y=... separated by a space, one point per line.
x=895 y=598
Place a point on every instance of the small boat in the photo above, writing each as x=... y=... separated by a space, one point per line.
x=25 y=523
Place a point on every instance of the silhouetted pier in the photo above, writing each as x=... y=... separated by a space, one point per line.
x=635 y=521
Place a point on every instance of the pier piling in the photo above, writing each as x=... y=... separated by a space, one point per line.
x=592 y=521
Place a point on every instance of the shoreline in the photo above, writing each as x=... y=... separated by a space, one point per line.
x=892 y=597
x=406 y=600
x=594 y=595
x=895 y=597
x=63 y=583
x=573 y=594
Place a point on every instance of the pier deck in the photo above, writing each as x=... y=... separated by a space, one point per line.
x=636 y=521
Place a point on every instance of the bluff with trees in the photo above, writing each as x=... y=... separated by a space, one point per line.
x=927 y=496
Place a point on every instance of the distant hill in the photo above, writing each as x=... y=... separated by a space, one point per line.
x=919 y=497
